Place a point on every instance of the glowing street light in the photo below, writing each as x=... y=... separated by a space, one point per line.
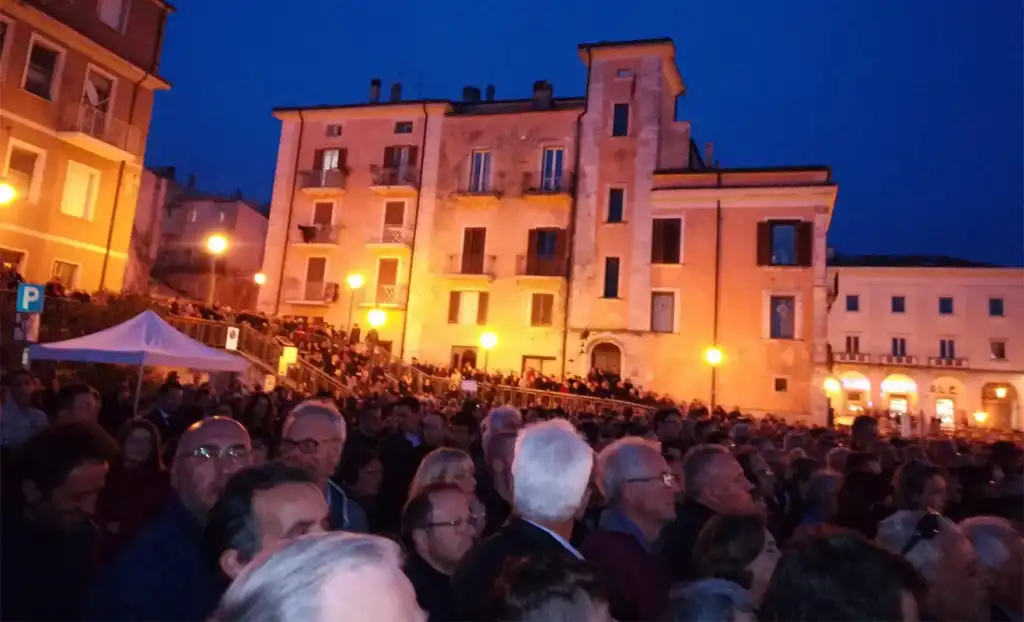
x=831 y=385
x=980 y=416
x=354 y=281
x=488 y=340
x=260 y=278
x=216 y=245
x=713 y=356
x=1000 y=392
x=8 y=193
x=376 y=318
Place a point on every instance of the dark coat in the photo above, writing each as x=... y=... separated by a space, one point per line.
x=637 y=580
x=475 y=575
x=679 y=537
x=433 y=589
x=163 y=575
x=346 y=515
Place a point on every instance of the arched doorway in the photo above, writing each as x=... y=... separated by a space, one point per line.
x=856 y=393
x=899 y=394
x=463 y=356
x=948 y=401
x=606 y=357
x=1000 y=402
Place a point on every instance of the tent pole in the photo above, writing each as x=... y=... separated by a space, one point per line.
x=138 y=390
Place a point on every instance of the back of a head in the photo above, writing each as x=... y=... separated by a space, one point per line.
x=828 y=573
x=500 y=419
x=698 y=464
x=550 y=471
x=622 y=460
x=927 y=553
x=711 y=600
x=550 y=589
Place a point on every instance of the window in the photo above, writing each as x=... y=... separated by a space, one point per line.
x=611 y=277
x=785 y=243
x=5 y=28
x=624 y=73
x=11 y=259
x=852 y=303
x=40 y=77
x=783 y=317
x=81 y=186
x=24 y=171
x=781 y=385
x=192 y=215
x=663 y=312
x=551 y=169
x=666 y=240
x=323 y=213
x=220 y=216
x=328 y=159
x=947 y=349
x=400 y=156
x=332 y=130
x=403 y=127
x=542 y=308
x=480 y=172
x=616 y=204
x=945 y=306
x=853 y=344
x=468 y=308
x=113 y=13
x=899 y=346
x=997 y=350
x=995 y=307
x=65 y=271
x=620 y=120
x=547 y=244
x=899 y=304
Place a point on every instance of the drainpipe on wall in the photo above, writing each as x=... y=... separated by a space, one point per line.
x=291 y=212
x=717 y=287
x=571 y=234
x=120 y=169
x=416 y=226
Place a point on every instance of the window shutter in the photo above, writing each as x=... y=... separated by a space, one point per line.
x=481 y=308
x=658 y=240
x=535 y=310
x=561 y=250
x=318 y=160
x=804 y=243
x=414 y=153
x=453 y=307
x=343 y=159
x=548 y=311
x=764 y=243
x=389 y=157
x=532 y=244
x=672 y=232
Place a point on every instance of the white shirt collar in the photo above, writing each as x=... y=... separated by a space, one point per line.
x=558 y=538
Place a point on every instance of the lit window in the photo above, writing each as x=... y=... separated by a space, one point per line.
x=42 y=70
x=783 y=317
x=66 y=272
x=81 y=186
x=542 y=309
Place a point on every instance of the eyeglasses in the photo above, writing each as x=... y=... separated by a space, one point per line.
x=470 y=521
x=211 y=453
x=306 y=445
x=927 y=529
x=668 y=479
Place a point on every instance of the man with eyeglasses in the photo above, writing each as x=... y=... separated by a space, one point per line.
x=164 y=574
x=640 y=489
x=437 y=531
x=313 y=438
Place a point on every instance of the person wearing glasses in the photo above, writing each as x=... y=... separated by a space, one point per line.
x=312 y=438
x=437 y=531
x=640 y=489
x=164 y=574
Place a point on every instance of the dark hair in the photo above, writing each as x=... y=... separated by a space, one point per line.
x=352 y=462
x=528 y=585
x=65 y=398
x=862 y=422
x=410 y=402
x=856 y=460
x=231 y=523
x=419 y=509
x=745 y=455
x=166 y=387
x=49 y=457
x=466 y=420
x=827 y=573
x=11 y=376
x=156 y=460
x=726 y=546
x=662 y=414
x=909 y=482
x=860 y=504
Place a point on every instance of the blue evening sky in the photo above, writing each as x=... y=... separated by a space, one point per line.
x=917 y=105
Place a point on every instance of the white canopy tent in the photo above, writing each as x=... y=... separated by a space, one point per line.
x=143 y=340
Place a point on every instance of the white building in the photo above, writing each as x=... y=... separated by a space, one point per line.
x=933 y=335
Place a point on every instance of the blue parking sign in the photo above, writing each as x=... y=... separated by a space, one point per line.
x=30 y=298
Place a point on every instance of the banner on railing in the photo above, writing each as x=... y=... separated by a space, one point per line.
x=232 y=341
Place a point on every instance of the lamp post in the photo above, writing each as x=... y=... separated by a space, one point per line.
x=713 y=357
x=355 y=281
x=487 y=341
x=216 y=245
x=8 y=193
x=260 y=278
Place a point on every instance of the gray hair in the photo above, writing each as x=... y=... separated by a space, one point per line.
x=710 y=600
x=896 y=531
x=500 y=419
x=993 y=538
x=697 y=465
x=319 y=407
x=438 y=466
x=622 y=460
x=550 y=471
x=286 y=585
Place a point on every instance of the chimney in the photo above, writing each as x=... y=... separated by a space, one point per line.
x=490 y=92
x=709 y=155
x=191 y=181
x=470 y=94
x=374 y=90
x=542 y=94
x=396 y=92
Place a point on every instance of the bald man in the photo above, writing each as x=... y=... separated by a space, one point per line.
x=163 y=574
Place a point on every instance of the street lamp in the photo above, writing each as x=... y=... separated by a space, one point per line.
x=980 y=416
x=831 y=385
x=376 y=318
x=1000 y=393
x=260 y=278
x=216 y=245
x=713 y=357
x=7 y=192
x=354 y=281
x=487 y=341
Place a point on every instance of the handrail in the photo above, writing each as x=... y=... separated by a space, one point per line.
x=522 y=398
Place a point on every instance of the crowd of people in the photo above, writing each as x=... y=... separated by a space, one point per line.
x=236 y=504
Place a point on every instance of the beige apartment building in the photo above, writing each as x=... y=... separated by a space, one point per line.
x=77 y=80
x=580 y=231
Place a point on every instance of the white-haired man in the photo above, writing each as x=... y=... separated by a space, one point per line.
x=1000 y=550
x=499 y=420
x=550 y=475
x=312 y=438
x=337 y=577
x=937 y=548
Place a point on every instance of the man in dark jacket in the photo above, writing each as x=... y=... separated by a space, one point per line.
x=164 y=574
x=400 y=455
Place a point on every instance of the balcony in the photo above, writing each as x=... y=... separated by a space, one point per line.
x=394 y=181
x=386 y=295
x=312 y=293
x=547 y=189
x=323 y=184
x=533 y=266
x=851 y=357
x=391 y=236
x=97 y=132
x=947 y=362
x=471 y=267
x=889 y=359
x=318 y=234
x=479 y=195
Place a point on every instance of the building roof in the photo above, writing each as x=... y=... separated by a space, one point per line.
x=905 y=261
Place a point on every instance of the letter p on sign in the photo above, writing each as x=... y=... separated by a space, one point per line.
x=30 y=298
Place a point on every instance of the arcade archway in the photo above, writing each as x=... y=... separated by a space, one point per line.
x=1000 y=401
x=606 y=357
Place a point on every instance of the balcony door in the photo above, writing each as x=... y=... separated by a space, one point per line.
x=546 y=252
x=329 y=159
x=551 y=169
x=474 y=239
x=323 y=214
x=316 y=272
x=394 y=221
x=387 y=280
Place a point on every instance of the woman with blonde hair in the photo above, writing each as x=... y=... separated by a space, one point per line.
x=450 y=466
